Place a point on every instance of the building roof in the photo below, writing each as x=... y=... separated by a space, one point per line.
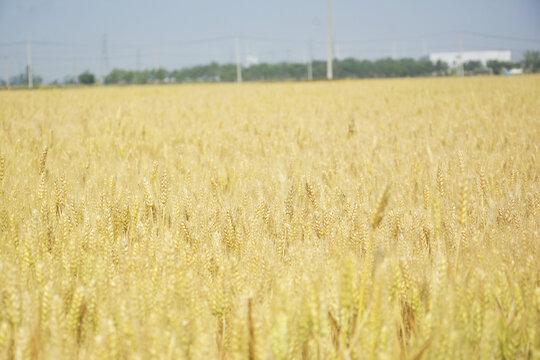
x=453 y=59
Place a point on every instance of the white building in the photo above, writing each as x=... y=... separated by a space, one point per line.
x=251 y=60
x=453 y=58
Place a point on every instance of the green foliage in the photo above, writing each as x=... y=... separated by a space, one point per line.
x=158 y=74
x=119 y=76
x=440 y=67
x=474 y=67
x=532 y=61
x=498 y=67
x=347 y=68
x=208 y=73
x=87 y=78
x=22 y=80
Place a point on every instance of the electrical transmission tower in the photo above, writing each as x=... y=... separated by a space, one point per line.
x=104 y=58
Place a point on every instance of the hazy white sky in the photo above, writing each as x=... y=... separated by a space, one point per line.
x=174 y=34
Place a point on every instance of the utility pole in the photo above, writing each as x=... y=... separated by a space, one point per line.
x=238 y=61
x=310 y=63
x=460 y=56
x=74 y=71
x=104 y=58
x=7 y=71
x=329 y=72
x=29 y=64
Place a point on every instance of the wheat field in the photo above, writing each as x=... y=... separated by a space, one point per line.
x=370 y=219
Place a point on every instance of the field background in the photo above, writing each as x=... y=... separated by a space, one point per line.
x=363 y=219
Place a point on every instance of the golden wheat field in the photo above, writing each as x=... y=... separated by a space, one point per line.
x=373 y=219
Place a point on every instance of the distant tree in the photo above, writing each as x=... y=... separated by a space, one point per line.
x=141 y=77
x=226 y=72
x=498 y=67
x=531 y=61
x=87 y=78
x=158 y=74
x=22 y=80
x=114 y=77
x=68 y=80
x=346 y=68
x=474 y=67
x=440 y=68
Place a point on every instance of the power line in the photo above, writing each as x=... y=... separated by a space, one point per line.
x=350 y=47
x=122 y=44
x=180 y=55
x=43 y=42
x=87 y=58
x=175 y=43
x=297 y=50
x=440 y=34
x=57 y=44
x=13 y=43
x=503 y=37
x=407 y=38
x=274 y=39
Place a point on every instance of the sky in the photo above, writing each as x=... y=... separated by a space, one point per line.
x=70 y=36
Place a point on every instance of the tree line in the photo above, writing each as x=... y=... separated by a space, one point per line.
x=347 y=68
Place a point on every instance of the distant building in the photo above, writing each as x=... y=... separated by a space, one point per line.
x=453 y=58
x=251 y=60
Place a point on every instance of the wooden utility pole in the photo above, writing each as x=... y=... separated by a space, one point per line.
x=329 y=70
x=7 y=71
x=238 y=61
x=104 y=66
x=74 y=71
x=460 y=61
x=310 y=63
x=29 y=64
